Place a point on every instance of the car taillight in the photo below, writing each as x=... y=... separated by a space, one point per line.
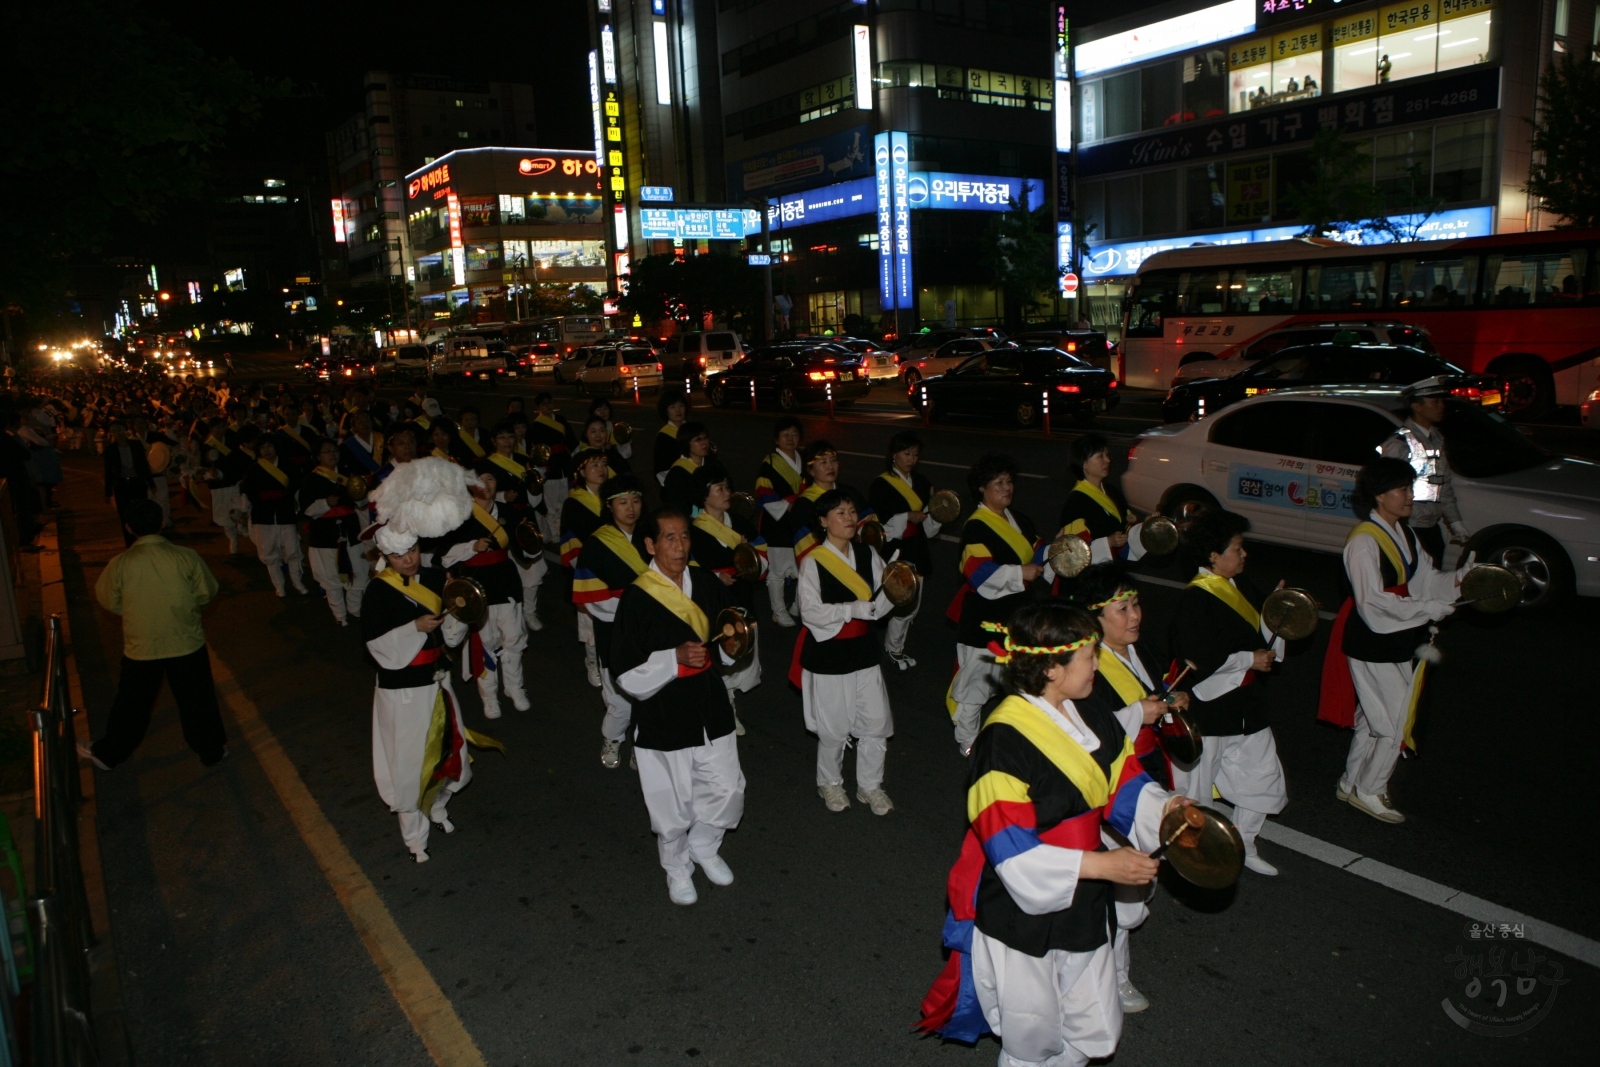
x=1067 y=389
x=659 y=367
x=1112 y=384
x=1072 y=346
x=1133 y=450
x=627 y=370
x=1470 y=392
x=702 y=361
x=820 y=375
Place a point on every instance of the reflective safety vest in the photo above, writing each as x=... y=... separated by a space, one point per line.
x=1425 y=461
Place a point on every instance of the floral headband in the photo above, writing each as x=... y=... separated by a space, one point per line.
x=1004 y=652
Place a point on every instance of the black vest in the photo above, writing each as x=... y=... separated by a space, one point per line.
x=385 y=608
x=841 y=655
x=1360 y=642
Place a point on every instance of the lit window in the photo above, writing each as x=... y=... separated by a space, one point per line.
x=1249 y=74
x=274 y=183
x=1465 y=41
x=1355 y=51
x=463 y=134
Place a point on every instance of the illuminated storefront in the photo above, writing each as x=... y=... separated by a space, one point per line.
x=487 y=224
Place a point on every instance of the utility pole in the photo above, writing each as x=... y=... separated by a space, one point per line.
x=766 y=247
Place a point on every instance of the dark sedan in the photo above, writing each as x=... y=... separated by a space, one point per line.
x=1328 y=364
x=1016 y=384
x=791 y=374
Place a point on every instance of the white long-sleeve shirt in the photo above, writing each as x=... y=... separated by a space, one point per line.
x=1230 y=676
x=825 y=620
x=1432 y=591
x=652 y=676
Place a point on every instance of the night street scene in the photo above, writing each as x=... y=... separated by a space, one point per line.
x=825 y=532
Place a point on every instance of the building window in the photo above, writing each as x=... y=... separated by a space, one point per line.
x=1403 y=165
x=463 y=134
x=1297 y=65
x=1205 y=85
x=1122 y=207
x=827 y=309
x=1121 y=104
x=1158 y=96
x=461 y=103
x=1249 y=74
x=1463 y=159
x=1089 y=112
x=1203 y=199
x=1464 y=41
x=1160 y=201
x=1091 y=210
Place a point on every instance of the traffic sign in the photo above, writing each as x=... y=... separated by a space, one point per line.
x=1069 y=283
x=656 y=192
x=760 y=259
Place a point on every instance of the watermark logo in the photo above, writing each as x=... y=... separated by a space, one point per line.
x=1501 y=984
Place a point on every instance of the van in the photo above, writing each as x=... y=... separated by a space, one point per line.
x=691 y=356
x=463 y=356
x=402 y=362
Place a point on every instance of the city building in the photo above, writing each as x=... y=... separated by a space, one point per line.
x=406 y=121
x=1193 y=118
x=487 y=226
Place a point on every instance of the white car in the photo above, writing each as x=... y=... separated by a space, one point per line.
x=1373 y=331
x=947 y=357
x=1288 y=461
x=612 y=370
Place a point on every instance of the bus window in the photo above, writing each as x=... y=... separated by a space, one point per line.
x=1343 y=287
x=1268 y=289
x=1154 y=299
x=1204 y=292
x=1432 y=283
x=1517 y=280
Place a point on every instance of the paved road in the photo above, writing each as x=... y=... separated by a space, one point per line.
x=544 y=918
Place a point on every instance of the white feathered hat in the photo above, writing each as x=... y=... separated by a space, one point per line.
x=425 y=498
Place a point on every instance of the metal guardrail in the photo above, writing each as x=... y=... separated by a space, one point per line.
x=62 y=1031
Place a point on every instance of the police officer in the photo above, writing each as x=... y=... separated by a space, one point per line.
x=1419 y=443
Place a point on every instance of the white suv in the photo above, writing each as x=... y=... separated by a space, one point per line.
x=1288 y=461
x=1372 y=331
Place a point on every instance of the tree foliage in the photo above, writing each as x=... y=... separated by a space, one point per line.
x=1566 y=141
x=108 y=119
x=1337 y=197
x=723 y=286
x=1019 y=254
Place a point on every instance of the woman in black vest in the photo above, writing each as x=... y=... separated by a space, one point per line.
x=899 y=496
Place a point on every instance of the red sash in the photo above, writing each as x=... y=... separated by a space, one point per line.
x=686 y=671
x=426 y=656
x=1337 y=702
x=853 y=628
x=338 y=511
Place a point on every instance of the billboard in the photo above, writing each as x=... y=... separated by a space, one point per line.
x=884 y=202
x=905 y=294
x=971 y=192
x=1179 y=34
x=836 y=157
x=838 y=201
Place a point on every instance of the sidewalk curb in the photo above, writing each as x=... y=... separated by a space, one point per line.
x=106 y=990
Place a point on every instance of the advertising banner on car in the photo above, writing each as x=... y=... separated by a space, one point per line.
x=1298 y=484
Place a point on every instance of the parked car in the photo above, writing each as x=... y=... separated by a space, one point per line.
x=566 y=369
x=1589 y=411
x=463 y=356
x=1370 y=331
x=921 y=345
x=351 y=368
x=1088 y=345
x=880 y=362
x=402 y=363
x=1326 y=364
x=1010 y=382
x=1289 y=460
x=693 y=355
x=612 y=370
x=536 y=357
x=947 y=357
x=791 y=374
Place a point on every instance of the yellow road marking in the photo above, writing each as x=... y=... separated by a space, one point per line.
x=432 y=1015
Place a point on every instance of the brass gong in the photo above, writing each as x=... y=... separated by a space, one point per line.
x=1207 y=850
x=529 y=539
x=1068 y=555
x=746 y=562
x=465 y=600
x=870 y=533
x=944 y=507
x=621 y=432
x=1290 y=613
x=1491 y=588
x=356 y=486
x=743 y=505
x=1180 y=736
x=1159 y=535
x=734 y=632
x=900 y=583
x=539 y=454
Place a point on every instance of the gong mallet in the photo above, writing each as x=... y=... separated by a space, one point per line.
x=1188 y=665
x=1192 y=820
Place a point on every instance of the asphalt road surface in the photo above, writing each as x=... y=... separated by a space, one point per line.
x=544 y=920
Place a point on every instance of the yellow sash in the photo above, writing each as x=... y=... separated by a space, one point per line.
x=440 y=453
x=333 y=476
x=621 y=547
x=913 y=501
x=1229 y=594
x=1385 y=544
x=812 y=492
x=685 y=463
x=1098 y=495
x=547 y=420
x=786 y=472
x=1061 y=750
x=477 y=449
x=830 y=562
x=669 y=596
x=670 y=430
x=423 y=421
x=297 y=437
x=222 y=449
x=718 y=529
x=1012 y=536
x=509 y=465
x=490 y=523
x=1123 y=680
x=283 y=479
x=414 y=590
x=586 y=498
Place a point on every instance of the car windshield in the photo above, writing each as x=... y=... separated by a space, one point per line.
x=1481 y=444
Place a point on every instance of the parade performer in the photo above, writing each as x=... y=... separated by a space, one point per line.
x=600 y=407
x=714 y=536
x=419 y=741
x=1219 y=627
x=548 y=428
x=581 y=516
x=611 y=558
x=682 y=722
x=1001 y=557
x=673 y=407
x=1126 y=683
x=482 y=545
x=470 y=443
x=597 y=438
x=274 y=516
x=337 y=563
x=296 y=444
x=778 y=482
x=899 y=497
x=225 y=466
x=677 y=491
x=522 y=498
x=835 y=663
x=361 y=452
x=1094 y=509
x=1433 y=493
x=821 y=461
x=1030 y=897
x=442 y=438
x=1380 y=646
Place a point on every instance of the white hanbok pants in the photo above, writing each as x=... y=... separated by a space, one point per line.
x=555 y=494
x=1059 y=1010
x=279 y=543
x=1245 y=769
x=225 y=501
x=344 y=600
x=977 y=679
x=839 y=707
x=532 y=577
x=894 y=639
x=780 y=567
x=162 y=495
x=1383 y=701
x=505 y=636
x=619 y=710
x=401 y=719
x=694 y=796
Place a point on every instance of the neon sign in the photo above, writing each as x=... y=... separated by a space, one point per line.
x=535 y=167
x=338 y=220
x=434 y=179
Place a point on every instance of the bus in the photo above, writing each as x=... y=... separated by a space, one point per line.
x=1524 y=307
x=567 y=332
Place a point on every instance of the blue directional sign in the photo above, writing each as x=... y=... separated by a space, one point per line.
x=759 y=259
x=697 y=224
x=658 y=193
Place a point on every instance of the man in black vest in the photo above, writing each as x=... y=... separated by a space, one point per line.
x=682 y=719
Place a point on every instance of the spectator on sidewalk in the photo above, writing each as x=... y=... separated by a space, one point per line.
x=128 y=478
x=158 y=588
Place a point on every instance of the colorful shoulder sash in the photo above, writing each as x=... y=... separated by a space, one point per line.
x=669 y=596
x=1229 y=594
x=414 y=591
x=1009 y=533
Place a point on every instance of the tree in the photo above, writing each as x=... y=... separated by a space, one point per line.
x=1566 y=141
x=1337 y=199
x=1019 y=253
x=723 y=286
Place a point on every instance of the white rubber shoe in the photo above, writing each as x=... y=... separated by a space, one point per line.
x=876 y=799
x=834 y=796
x=1132 y=1000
